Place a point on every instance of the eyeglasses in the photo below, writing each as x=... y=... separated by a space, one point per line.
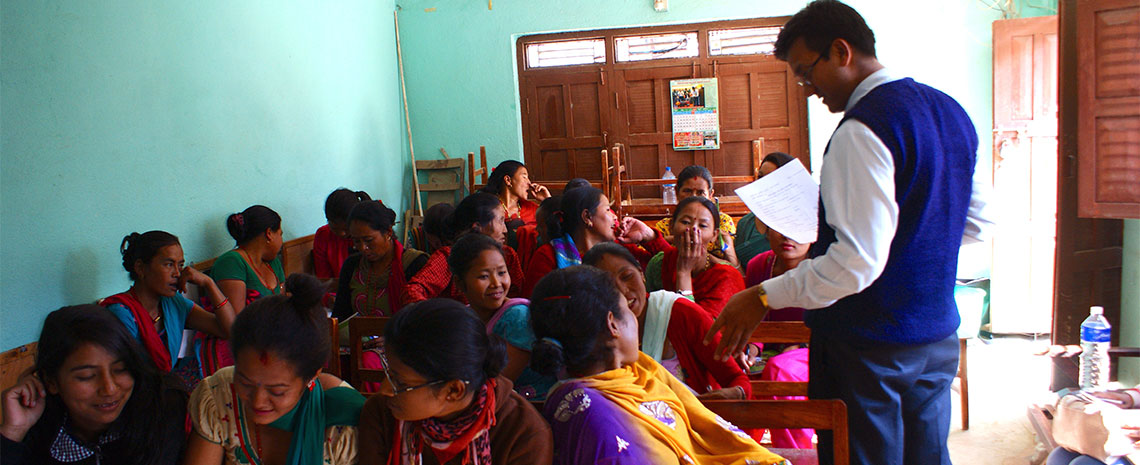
x=805 y=77
x=398 y=389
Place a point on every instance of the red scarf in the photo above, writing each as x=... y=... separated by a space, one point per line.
x=396 y=278
x=147 y=332
x=470 y=434
x=712 y=287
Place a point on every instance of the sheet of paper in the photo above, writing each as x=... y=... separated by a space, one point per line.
x=786 y=200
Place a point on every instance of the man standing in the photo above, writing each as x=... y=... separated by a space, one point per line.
x=896 y=202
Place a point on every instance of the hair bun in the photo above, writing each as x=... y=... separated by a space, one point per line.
x=547 y=357
x=305 y=291
x=496 y=358
x=127 y=241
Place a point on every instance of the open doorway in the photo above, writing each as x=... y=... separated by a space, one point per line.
x=1025 y=174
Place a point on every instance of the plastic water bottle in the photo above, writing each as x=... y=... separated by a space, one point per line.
x=669 y=191
x=1096 y=334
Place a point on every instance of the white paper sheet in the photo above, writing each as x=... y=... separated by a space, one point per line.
x=786 y=200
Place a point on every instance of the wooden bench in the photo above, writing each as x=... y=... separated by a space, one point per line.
x=780 y=332
x=360 y=327
x=555 y=186
x=818 y=414
x=652 y=207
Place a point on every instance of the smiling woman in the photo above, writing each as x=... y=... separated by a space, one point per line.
x=92 y=398
x=274 y=405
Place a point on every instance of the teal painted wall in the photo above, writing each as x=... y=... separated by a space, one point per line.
x=459 y=58
x=121 y=116
x=1129 y=374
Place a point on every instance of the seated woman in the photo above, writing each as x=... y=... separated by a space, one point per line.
x=480 y=271
x=477 y=213
x=686 y=267
x=526 y=239
x=372 y=279
x=750 y=239
x=697 y=180
x=584 y=218
x=274 y=405
x=248 y=272
x=331 y=244
x=93 y=398
x=155 y=312
x=784 y=363
x=510 y=182
x=619 y=406
x=445 y=401
x=671 y=328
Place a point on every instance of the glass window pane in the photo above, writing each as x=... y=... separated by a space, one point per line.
x=749 y=41
x=655 y=47
x=565 y=53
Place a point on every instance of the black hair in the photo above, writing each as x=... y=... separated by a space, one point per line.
x=148 y=438
x=478 y=208
x=291 y=325
x=497 y=181
x=599 y=251
x=435 y=218
x=340 y=202
x=442 y=339
x=777 y=158
x=707 y=204
x=143 y=247
x=466 y=249
x=251 y=222
x=576 y=183
x=375 y=214
x=568 y=311
x=820 y=23
x=694 y=171
x=568 y=217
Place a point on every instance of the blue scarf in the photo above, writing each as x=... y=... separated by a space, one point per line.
x=565 y=253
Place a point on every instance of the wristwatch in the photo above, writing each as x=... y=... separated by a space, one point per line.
x=763 y=295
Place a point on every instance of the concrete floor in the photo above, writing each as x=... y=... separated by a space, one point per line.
x=1005 y=377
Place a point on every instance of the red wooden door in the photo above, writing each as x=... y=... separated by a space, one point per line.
x=1024 y=173
x=565 y=115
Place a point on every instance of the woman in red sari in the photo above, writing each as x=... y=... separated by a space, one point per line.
x=686 y=267
x=479 y=213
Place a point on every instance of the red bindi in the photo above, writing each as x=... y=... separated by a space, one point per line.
x=264 y=357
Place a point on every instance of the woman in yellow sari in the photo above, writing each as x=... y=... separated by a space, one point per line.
x=618 y=405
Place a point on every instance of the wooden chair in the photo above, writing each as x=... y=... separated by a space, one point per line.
x=358 y=328
x=780 y=332
x=825 y=414
x=652 y=207
x=297 y=255
x=482 y=171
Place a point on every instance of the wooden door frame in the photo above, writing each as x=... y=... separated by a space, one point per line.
x=703 y=65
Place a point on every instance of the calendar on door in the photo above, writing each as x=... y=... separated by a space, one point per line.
x=696 y=123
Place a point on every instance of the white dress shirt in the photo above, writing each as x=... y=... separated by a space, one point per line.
x=857 y=185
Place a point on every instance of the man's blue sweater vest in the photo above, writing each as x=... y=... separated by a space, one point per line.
x=934 y=145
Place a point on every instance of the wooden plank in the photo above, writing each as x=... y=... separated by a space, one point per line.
x=440 y=186
x=14 y=362
x=450 y=163
x=297 y=255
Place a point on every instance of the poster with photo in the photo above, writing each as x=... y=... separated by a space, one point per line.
x=696 y=123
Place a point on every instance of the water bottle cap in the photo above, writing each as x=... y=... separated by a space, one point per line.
x=668 y=168
x=1096 y=310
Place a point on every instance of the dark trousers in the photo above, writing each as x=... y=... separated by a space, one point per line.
x=898 y=398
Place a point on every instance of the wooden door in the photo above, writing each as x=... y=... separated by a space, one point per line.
x=769 y=105
x=566 y=117
x=1024 y=173
x=645 y=123
x=1089 y=250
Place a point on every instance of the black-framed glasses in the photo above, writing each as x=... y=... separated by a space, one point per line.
x=397 y=388
x=805 y=77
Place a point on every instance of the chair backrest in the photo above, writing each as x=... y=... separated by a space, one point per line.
x=780 y=332
x=482 y=171
x=360 y=327
x=297 y=255
x=823 y=414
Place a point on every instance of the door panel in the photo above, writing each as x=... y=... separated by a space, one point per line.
x=565 y=116
x=1025 y=174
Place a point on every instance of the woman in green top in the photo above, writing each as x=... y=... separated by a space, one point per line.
x=254 y=265
x=244 y=274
